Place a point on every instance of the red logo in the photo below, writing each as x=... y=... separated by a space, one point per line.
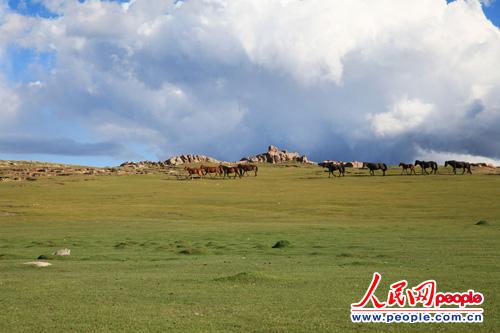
x=424 y=294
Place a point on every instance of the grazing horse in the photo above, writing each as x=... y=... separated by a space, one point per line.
x=465 y=166
x=425 y=165
x=331 y=167
x=407 y=168
x=212 y=169
x=375 y=166
x=194 y=171
x=244 y=168
x=228 y=170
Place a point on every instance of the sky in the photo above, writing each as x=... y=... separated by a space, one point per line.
x=101 y=82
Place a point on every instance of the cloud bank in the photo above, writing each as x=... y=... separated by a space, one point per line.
x=367 y=80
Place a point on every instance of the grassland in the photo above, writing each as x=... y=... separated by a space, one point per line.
x=152 y=254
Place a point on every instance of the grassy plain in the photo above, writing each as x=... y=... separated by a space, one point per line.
x=153 y=254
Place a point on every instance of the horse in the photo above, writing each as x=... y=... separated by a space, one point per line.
x=407 y=168
x=212 y=169
x=331 y=167
x=375 y=166
x=425 y=165
x=465 y=166
x=228 y=170
x=194 y=171
x=244 y=168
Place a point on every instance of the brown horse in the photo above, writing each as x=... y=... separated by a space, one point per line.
x=217 y=170
x=194 y=171
x=244 y=168
x=407 y=168
x=228 y=170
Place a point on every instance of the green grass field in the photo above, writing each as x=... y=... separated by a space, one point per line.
x=152 y=254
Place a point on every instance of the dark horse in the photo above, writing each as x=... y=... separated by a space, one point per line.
x=465 y=166
x=375 y=166
x=212 y=169
x=228 y=170
x=332 y=166
x=425 y=165
x=408 y=168
x=244 y=168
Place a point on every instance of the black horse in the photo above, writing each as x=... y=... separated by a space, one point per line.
x=331 y=167
x=465 y=166
x=426 y=165
x=375 y=166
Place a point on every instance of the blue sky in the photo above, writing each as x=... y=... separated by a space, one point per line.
x=96 y=84
x=493 y=12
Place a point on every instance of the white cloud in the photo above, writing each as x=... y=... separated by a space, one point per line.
x=9 y=106
x=405 y=115
x=441 y=157
x=192 y=76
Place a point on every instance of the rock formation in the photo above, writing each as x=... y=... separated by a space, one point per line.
x=181 y=159
x=276 y=156
x=352 y=164
x=62 y=252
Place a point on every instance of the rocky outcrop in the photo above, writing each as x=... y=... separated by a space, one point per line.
x=62 y=252
x=38 y=263
x=352 y=164
x=483 y=165
x=189 y=158
x=276 y=156
x=142 y=165
x=31 y=170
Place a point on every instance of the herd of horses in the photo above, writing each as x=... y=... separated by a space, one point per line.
x=221 y=170
x=242 y=169
x=406 y=168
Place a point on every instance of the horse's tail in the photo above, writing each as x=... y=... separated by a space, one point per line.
x=385 y=166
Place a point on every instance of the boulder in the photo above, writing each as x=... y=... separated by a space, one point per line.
x=62 y=252
x=38 y=263
x=356 y=164
x=189 y=158
x=276 y=156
